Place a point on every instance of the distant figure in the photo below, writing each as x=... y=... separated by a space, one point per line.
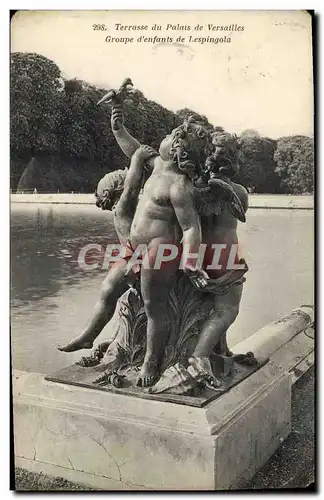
x=35 y=191
x=72 y=192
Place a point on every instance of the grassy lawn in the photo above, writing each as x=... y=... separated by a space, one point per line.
x=29 y=481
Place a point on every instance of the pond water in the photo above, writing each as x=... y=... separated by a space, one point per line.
x=51 y=296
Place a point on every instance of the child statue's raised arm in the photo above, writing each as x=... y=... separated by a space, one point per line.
x=127 y=143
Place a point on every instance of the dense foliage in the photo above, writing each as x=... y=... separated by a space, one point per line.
x=62 y=141
x=295 y=163
x=258 y=165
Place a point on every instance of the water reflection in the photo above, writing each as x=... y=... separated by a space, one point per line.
x=45 y=243
x=52 y=297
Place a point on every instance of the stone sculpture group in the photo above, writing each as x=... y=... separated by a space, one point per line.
x=170 y=321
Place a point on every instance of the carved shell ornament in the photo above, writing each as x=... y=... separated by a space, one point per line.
x=175 y=380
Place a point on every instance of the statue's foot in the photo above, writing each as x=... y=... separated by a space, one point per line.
x=148 y=375
x=76 y=344
x=200 y=369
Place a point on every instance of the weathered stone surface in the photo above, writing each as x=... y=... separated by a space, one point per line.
x=273 y=336
x=293 y=465
x=165 y=446
x=196 y=396
x=132 y=443
x=188 y=310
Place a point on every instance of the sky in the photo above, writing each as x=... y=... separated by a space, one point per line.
x=262 y=79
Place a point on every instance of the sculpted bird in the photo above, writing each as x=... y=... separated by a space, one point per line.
x=118 y=96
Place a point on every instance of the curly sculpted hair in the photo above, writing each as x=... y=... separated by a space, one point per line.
x=110 y=188
x=225 y=155
x=191 y=146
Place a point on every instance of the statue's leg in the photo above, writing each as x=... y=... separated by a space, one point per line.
x=226 y=308
x=155 y=288
x=222 y=347
x=112 y=288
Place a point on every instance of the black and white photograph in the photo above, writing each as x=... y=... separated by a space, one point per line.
x=162 y=310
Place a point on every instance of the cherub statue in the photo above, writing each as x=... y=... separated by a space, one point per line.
x=164 y=214
x=219 y=203
x=221 y=165
x=109 y=189
x=172 y=209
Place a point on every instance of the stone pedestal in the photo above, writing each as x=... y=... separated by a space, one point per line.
x=131 y=443
x=114 y=441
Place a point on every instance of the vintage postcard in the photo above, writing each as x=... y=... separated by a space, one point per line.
x=162 y=250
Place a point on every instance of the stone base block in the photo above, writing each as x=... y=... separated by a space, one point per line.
x=112 y=441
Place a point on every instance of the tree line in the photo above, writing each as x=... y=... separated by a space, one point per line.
x=60 y=140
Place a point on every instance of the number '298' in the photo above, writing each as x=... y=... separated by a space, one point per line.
x=99 y=27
